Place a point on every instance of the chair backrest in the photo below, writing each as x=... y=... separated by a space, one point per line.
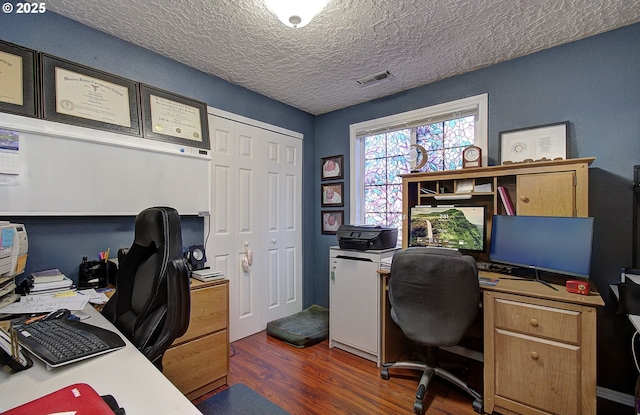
x=434 y=294
x=152 y=301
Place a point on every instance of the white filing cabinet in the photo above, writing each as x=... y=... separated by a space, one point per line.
x=354 y=296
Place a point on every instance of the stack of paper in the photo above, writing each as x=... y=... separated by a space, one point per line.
x=207 y=275
x=49 y=281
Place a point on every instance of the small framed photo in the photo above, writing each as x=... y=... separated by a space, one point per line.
x=332 y=194
x=332 y=168
x=19 y=75
x=540 y=143
x=331 y=221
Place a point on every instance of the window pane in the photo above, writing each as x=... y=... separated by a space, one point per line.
x=398 y=143
x=375 y=146
x=397 y=165
x=394 y=198
x=459 y=132
x=375 y=172
x=375 y=199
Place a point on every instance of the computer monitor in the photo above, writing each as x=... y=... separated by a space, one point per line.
x=459 y=227
x=556 y=244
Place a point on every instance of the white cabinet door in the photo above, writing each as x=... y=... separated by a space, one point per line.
x=354 y=303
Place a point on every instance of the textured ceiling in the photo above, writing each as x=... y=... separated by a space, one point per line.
x=315 y=68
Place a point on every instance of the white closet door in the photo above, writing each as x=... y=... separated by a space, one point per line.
x=282 y=217
x=234 y=220
x=256 y=205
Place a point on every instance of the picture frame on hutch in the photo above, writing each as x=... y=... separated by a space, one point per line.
x=18 y=80
x=173 y=118
x=540 y=143
x=86 y=97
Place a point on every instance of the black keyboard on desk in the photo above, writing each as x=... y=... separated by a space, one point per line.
x=59 y=342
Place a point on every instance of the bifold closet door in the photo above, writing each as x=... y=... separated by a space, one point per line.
x=256 y=207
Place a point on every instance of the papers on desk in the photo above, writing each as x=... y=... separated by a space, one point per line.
x=46 y=303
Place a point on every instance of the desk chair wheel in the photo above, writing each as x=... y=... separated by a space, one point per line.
x=384 y=373
x=418 y=408
x=478 y=406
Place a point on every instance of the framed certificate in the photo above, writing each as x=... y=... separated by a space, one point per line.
x=83 y=96
x=173 y=118
x=18 y=80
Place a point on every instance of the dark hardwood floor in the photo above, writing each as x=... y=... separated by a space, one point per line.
x=320 y=381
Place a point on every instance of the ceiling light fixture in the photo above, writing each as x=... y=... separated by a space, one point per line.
x=296 y=13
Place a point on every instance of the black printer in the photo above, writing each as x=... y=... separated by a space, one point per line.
x=363 y=237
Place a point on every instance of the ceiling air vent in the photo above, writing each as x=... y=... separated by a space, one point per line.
x=374 y=79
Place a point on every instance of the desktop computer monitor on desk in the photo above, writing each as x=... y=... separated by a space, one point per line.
x=560 y=245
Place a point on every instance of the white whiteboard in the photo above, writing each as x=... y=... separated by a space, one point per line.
x=69 y=170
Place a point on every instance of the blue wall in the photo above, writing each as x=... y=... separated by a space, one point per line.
x=62 y=242
x=593 y=83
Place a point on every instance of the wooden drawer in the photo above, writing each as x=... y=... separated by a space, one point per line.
x=208 y=312
x=539 y=373
x=191 y=365
x=538 y=320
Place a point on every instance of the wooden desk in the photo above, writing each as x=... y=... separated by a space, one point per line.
x=138 y=386
x=539 y=347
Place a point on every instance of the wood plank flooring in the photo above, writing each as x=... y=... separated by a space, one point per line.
x=321 y=381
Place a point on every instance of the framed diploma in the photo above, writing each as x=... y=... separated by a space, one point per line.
x=83 y=96
x=173 y=118
x=18 y=80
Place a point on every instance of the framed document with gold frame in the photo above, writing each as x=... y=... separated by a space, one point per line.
x=173 y=118
x=79 y=95
x=18 y=80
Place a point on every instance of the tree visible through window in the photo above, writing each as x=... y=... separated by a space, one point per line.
x=389 y=154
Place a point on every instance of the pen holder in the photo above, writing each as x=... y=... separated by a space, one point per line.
x=95 y=274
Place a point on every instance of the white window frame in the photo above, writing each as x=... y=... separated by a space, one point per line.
x=356 y=145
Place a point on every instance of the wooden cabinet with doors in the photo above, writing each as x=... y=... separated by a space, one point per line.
x=198 y=362
x=551 y=188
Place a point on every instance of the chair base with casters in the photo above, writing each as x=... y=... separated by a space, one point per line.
x=427 y=373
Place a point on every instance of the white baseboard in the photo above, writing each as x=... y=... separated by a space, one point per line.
x=615 y=396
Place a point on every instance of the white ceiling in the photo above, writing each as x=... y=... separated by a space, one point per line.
x=315 y=68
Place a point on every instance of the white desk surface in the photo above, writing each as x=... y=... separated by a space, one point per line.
x=137 y=385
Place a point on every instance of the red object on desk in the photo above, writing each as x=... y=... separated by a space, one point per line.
x=77 y=399
x=578 y=287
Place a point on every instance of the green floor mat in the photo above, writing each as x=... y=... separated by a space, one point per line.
x=302 y=329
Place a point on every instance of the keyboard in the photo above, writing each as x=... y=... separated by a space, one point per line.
x=60 y=342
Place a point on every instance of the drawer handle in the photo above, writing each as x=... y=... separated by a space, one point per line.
x=534 y=322
x=534 y=355
x=524 y=199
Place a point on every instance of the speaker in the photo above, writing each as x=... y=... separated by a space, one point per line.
x=196 y=257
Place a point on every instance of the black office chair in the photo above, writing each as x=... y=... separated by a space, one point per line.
x=152 y=301
x=434 y=296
